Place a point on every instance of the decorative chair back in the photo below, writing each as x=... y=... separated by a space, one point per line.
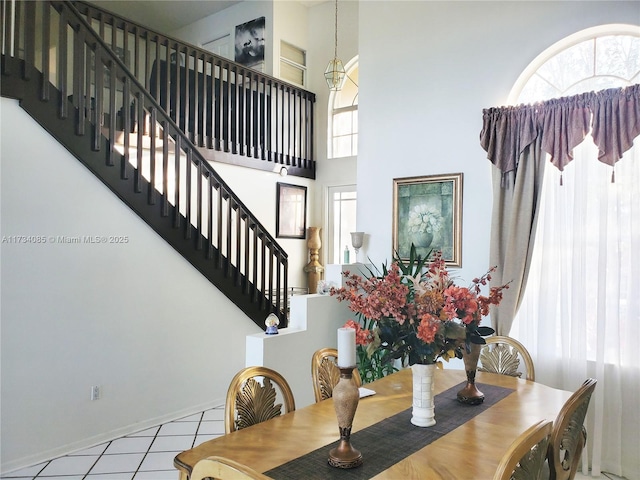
x=249 y=401
x=219 y=468
x=502 y=355
x=325 y=373
x=527 y=455
x=569 y=435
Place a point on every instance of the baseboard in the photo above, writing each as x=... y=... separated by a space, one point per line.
x=89 y=442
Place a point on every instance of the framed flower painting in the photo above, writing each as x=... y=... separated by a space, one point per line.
x=427 y=212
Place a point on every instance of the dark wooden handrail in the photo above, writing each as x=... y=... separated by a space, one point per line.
x=221 y=105
x=91 y=86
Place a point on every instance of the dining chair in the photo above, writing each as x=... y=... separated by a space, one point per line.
x=249 y=401
x=325 y=373
x=502 y=355
x=569 y=435
x=220 y=468
x=527 y=455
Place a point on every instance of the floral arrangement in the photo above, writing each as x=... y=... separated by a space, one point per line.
x=424 y=219
x=415 y=313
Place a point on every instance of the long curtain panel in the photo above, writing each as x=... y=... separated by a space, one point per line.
x=516 y=200
x=571 y=237
x=580 y=314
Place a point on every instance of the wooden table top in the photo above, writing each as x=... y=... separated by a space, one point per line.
x=471 y=451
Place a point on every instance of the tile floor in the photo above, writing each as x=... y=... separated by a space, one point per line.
x=146 y=455
x=604 y=476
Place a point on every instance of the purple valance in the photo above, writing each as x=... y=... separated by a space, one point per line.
x=562 y=124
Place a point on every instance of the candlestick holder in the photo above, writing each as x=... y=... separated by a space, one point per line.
x=345 y=401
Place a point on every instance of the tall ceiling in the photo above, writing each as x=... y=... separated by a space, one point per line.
x=164 y=15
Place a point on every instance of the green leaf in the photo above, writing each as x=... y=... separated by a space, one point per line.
x=477 y=340
x=484 y=331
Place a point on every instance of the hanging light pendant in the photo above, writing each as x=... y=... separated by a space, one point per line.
x=334 y=73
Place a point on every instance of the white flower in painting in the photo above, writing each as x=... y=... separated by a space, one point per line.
x=423 y=218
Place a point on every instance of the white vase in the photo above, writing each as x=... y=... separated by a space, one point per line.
x=423 y=413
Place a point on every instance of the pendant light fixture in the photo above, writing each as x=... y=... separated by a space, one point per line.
x=334 y=73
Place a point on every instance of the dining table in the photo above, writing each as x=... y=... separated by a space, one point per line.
x=467 y=441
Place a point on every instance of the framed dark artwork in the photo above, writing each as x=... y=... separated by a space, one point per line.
x=249 y=43
x=291 y=211
x=427 y=212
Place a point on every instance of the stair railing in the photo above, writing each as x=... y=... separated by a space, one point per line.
x=223 y=106
x=110 y=108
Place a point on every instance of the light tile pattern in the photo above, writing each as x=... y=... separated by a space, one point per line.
x=604 y=476
x=145 y=455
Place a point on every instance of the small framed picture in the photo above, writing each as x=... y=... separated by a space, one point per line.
x=427 y=212
x=291 y=211
x=249 y=43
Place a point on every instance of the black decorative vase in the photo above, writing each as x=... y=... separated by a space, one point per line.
x=470 y=395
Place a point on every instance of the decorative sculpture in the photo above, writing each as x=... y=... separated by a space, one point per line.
x=272 y=323
x=313 y=269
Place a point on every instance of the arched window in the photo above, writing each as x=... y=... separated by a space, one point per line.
x=578 y=315
x=592 y=60
x=343 y=116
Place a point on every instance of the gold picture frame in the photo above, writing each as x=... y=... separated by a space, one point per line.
x=427 y=212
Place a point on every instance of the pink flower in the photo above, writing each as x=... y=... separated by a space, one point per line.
x=363 y=336
x=375 y=298
x=460 y=303
x=416 y=305
x=428 y=328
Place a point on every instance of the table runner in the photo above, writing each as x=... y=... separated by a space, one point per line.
x=391 y=440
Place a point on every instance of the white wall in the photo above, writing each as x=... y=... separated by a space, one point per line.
x=427 y=69
x=134 y=318
x=225 y=22
x=339 y=171
x=315 y=320
x=289 y=24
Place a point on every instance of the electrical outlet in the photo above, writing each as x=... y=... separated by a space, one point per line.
x=95 y=392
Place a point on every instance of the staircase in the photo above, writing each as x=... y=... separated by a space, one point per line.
x=71 y=81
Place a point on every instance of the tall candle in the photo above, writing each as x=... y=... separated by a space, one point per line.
x=346 y=347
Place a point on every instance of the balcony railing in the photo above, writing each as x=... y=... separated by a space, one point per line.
x=229 y=111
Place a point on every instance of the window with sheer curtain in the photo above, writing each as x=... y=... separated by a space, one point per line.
x=580 y=312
